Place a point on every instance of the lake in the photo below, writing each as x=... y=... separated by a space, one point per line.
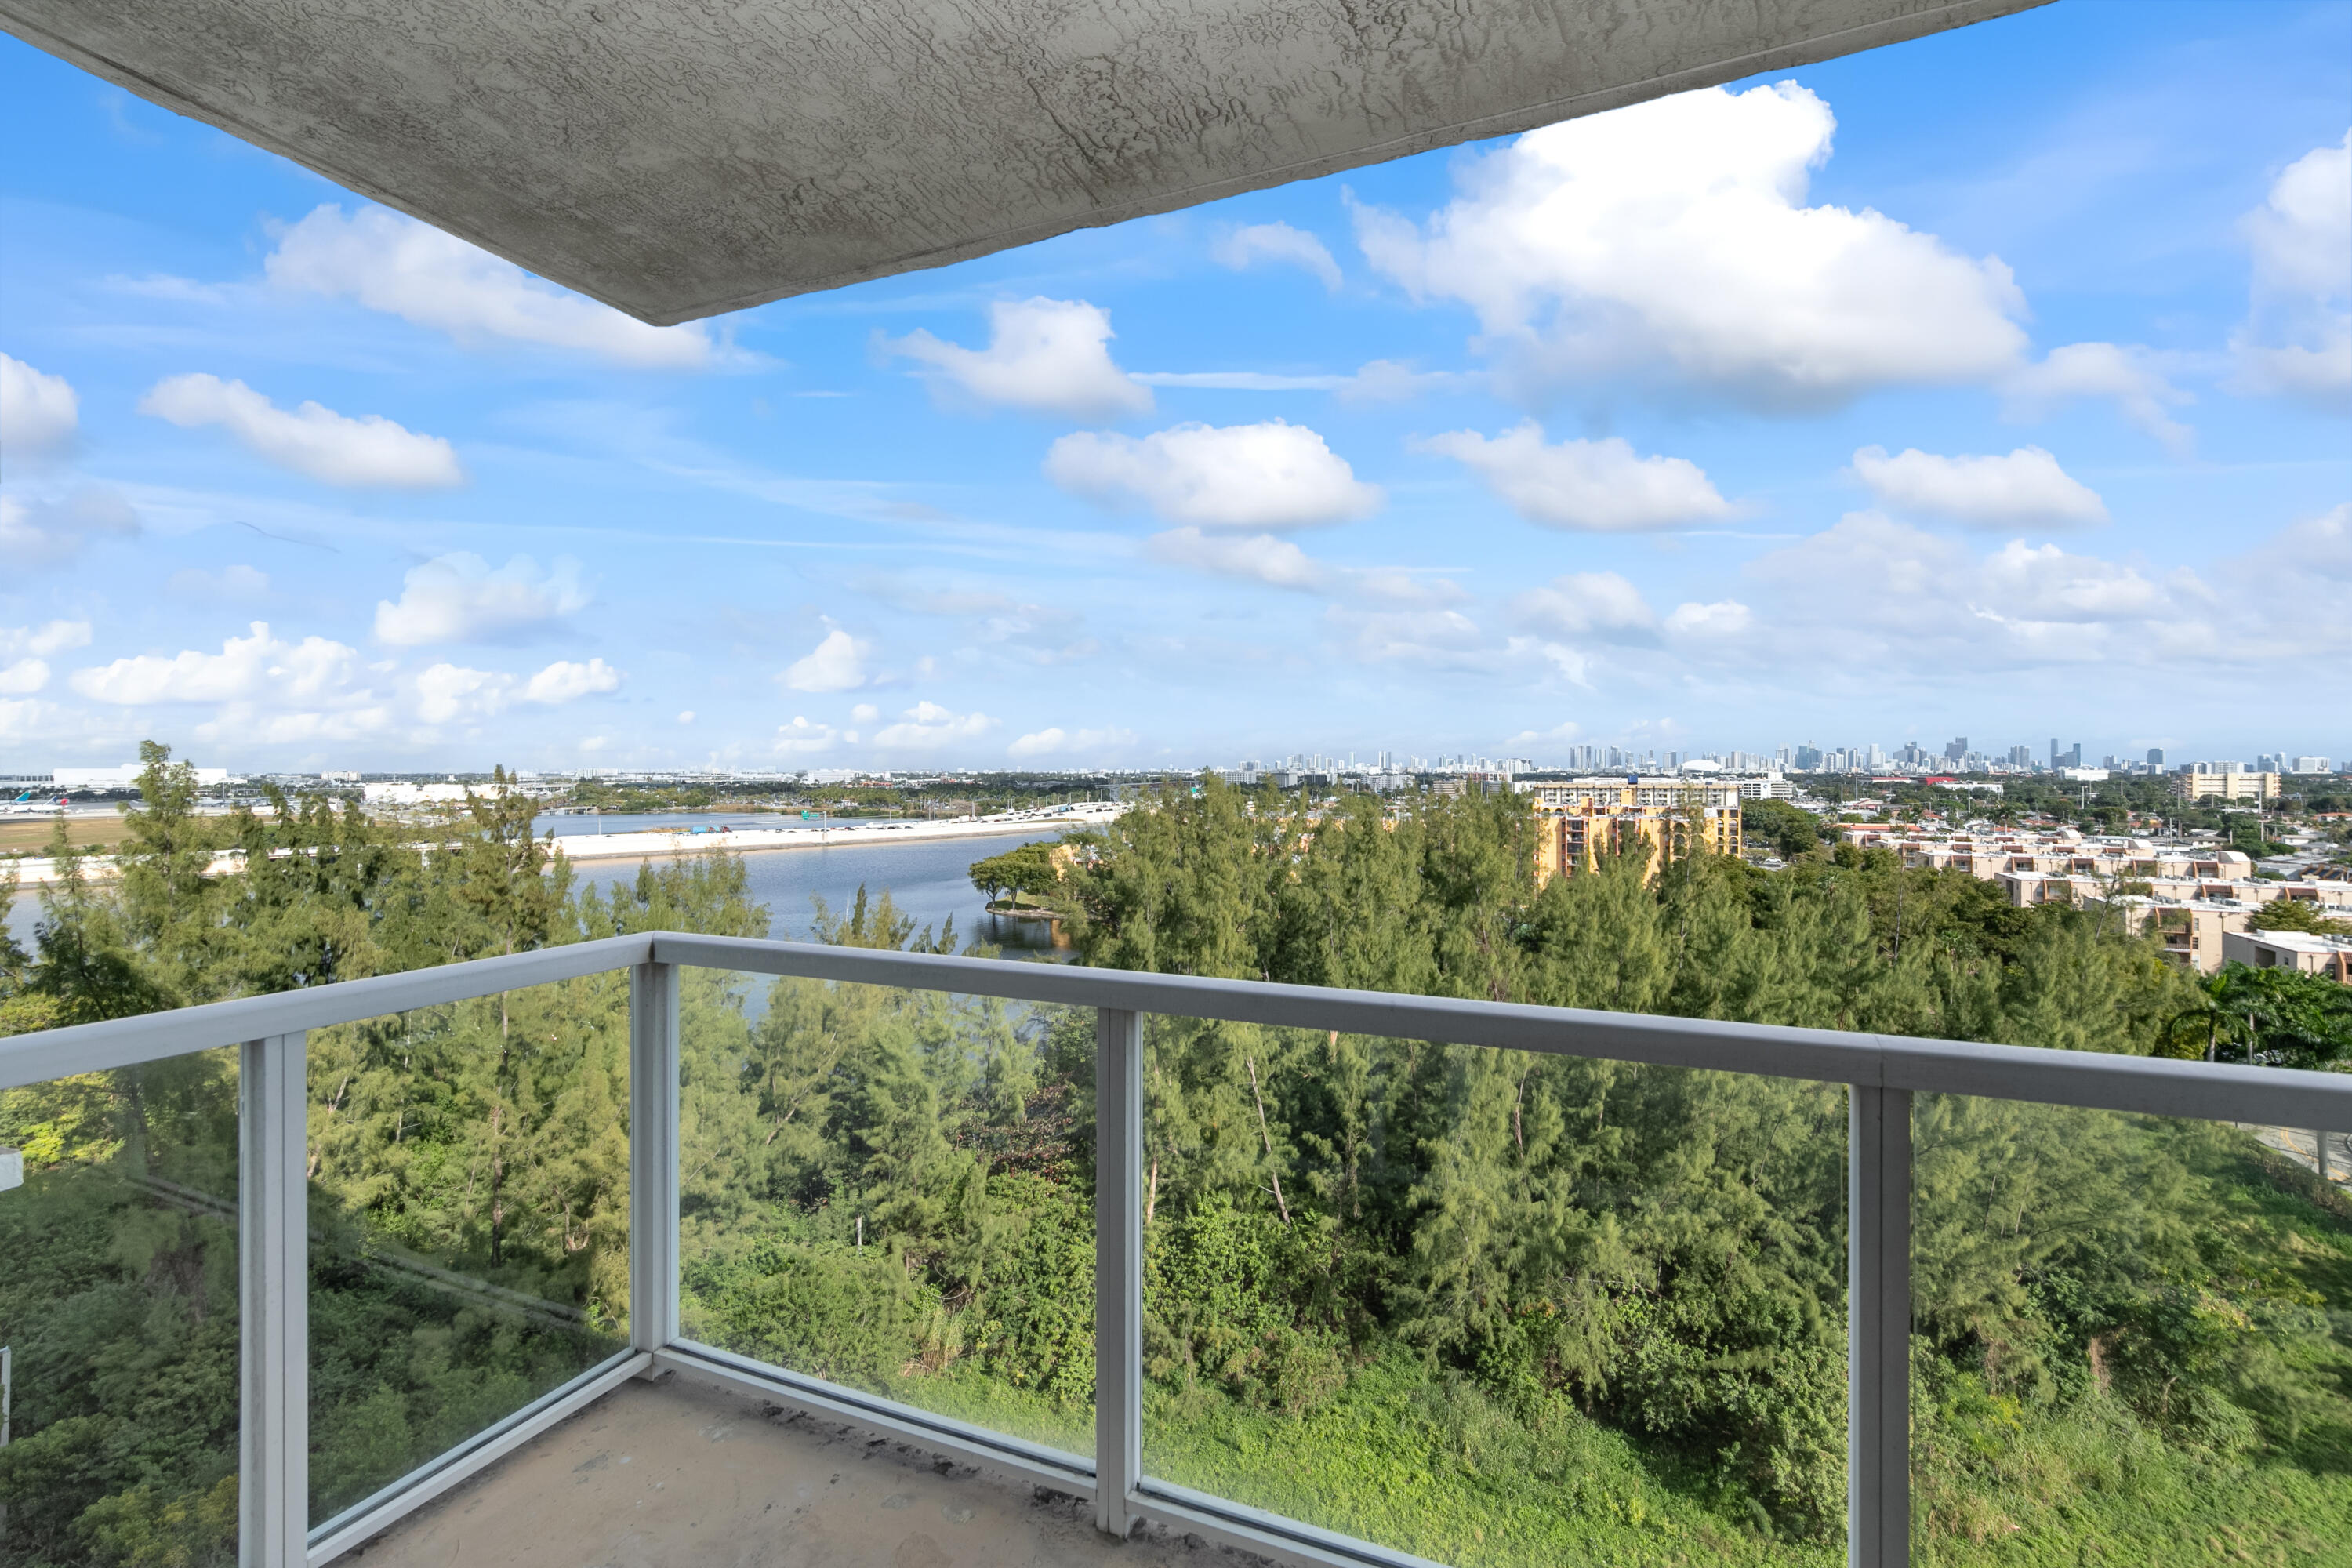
x=926 y=878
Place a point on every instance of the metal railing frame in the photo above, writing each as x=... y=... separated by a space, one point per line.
x=1882 y=1073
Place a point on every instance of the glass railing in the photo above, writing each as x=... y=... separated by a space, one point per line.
x=118 y=1310
x=468 y=1175
x=1338 y=1277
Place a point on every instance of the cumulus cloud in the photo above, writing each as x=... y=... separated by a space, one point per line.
x=247 y=669
x=1056 y=741
x=928 y=726
x=38 y=413
x=2128 y=375
x=24 y=677
x=1674 y=234
x=2308 y=560
x=457 y=598
x=1047 y=356
x=395 y=264
x=1592 y=486
x=2297 y=340
x=1268 y=475
x=1441 y=638
x=864 y=713
x=1584 y=604
x=1277 y=242
x=564 y=681
x=446 y=692
x=2026 y=489
x=51 y=531
x=837 y=664
x=313 y=439
x=1252 y=558
x=1898 y=598
x=50 y=636
x=802 y=738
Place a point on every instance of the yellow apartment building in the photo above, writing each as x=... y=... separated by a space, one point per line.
x=1578 y=820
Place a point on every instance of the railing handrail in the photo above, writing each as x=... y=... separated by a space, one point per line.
x=2145 y=1085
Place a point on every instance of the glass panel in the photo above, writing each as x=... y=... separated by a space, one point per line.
x=119 y=1307
x=2134 y=1341
x=1491 y=1307
x=894 y=1190
x=469 y=1208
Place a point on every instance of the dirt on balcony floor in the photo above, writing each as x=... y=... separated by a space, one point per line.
x=679 y=1475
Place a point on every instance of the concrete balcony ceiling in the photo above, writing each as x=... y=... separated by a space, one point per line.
x=678 y=158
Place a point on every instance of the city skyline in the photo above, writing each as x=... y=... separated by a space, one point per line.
x=1445 y=447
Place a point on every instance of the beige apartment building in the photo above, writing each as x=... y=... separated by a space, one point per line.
x=1578 y=820
x=2199 y=899
x=2329 y=956
x=2260 y=788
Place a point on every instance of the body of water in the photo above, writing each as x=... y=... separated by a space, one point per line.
x=926 y=878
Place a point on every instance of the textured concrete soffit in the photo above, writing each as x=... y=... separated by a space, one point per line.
x=677 y=158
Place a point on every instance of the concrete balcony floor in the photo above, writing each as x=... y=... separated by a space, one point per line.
x=679 y=1475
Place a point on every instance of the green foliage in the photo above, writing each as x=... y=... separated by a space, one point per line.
x=1787 y=830
x=1491 y=1307
x=1028 y=870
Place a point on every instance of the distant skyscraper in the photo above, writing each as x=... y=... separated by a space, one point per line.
x=2156 y=756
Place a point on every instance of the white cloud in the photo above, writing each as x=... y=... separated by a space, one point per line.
x=230 y=584
x=1898 y=599
x=686 y=717
x=451 y=692
x=1277 y=242
x=312 y=440
x=801 y=737
x=927 y=726
x=24 y=677
x=837 y=664
x=48 y=533
x=2298 y=338
x=1049 y=356
x=51 y=636
x=1268 y=475
x=1673 y=234
x=1585 y=603
x=390 y=263
x=1595 y=487
x=1050 y=741
x=457 y=598
x=564 y=681
x=1252 y=558
x=864 y=713
x=1726 y=617
x=248 y=668
x=2026 y=489
x=2128 y=376
x=1437 y=637
x=38 y=413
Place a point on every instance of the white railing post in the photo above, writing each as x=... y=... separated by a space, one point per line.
x=1118 y=1267
x=273 y=1252
x=653 y=1156
x=1878 y=1328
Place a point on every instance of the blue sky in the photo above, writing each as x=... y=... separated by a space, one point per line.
x=1998 y=384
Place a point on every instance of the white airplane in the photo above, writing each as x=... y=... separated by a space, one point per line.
x=26 y=806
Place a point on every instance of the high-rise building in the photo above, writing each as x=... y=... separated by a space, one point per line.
x=1956 y=749
x=2156 y=756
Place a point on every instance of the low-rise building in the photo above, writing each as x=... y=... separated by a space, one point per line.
x=2329 y=956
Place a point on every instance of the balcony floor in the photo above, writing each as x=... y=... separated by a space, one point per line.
x=674 y=1474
